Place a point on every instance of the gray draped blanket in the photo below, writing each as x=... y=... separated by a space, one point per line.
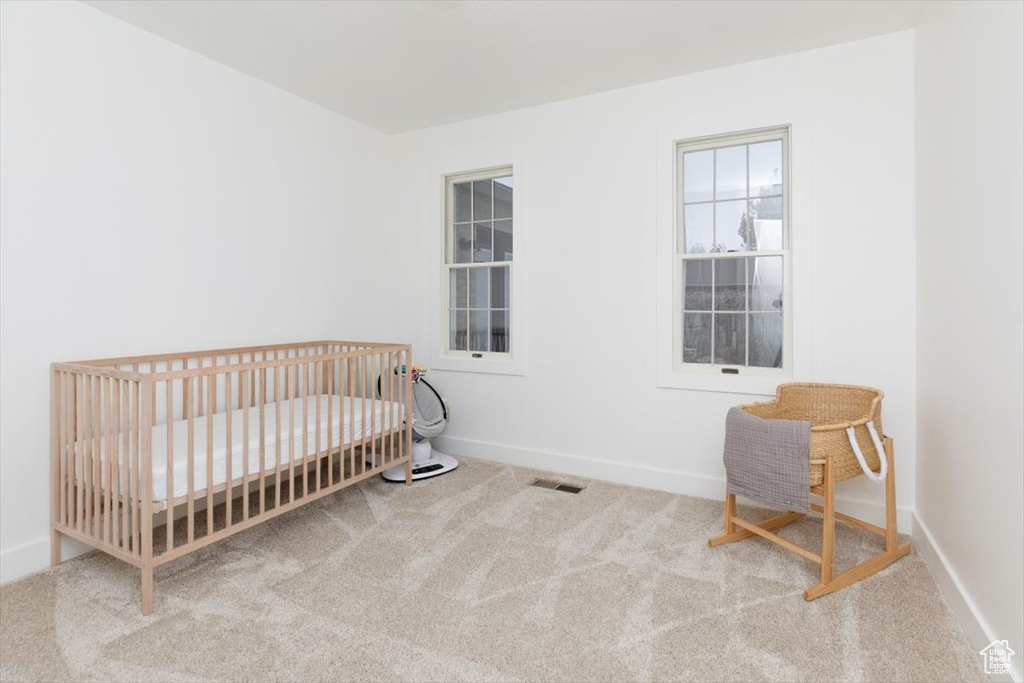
x=768 y=460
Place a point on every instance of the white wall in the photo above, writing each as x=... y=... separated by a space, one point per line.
x=154 y=200
x=970 y=175
x=586 y=192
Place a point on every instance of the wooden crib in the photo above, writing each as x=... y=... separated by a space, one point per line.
x=153 y=457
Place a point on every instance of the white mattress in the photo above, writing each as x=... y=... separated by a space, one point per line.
x=347 y=426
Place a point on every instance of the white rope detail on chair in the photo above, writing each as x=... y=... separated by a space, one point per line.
x=877 y=478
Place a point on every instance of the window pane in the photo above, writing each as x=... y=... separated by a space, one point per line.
x=730 y=225
x=765 y=277
x=459 y=285
x=478 y=332
x=698 y=175
x=766 y=222
x=499 y=287
x=458 y=331
x=766 y=168
x=481 y=200
x=697 y=285
x=730 y=284
x=478 y=287
x=731 y=172
x=697 y=338
x=730 y=339
x=499 y=332
x=503 y=240
x=503 y=197
x=462 y=203
x=766 y=340
x=699 y=228
x=481 y=242
x=463 y=247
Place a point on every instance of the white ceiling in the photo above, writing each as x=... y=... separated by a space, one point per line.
x=399 y=66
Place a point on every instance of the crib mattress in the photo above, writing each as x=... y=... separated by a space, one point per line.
x=341 y=422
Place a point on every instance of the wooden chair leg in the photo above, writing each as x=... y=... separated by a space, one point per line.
x=891 y=528
x=730 y=512
x=828 y=526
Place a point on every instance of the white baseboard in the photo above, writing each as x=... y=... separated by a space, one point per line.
x=34 y=556
x=967 y=613
x=645 y=477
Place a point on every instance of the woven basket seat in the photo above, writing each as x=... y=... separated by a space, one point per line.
x=830 y=408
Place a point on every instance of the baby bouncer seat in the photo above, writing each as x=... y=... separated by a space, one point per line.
x=845 y=442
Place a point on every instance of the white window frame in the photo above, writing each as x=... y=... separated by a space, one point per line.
x=797 y=361
x=444 y=358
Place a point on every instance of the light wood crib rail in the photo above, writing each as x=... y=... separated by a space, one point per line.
x=153 y=457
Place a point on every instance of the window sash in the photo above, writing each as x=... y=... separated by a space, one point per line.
x=681 y=256
x=450 y=263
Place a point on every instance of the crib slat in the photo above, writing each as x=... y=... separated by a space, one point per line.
x=229 y=487
x=97 y=459
x=199 y=390
x=277 y=434
x=351 y=417
x=362 y=418
x=289 y=390
x=392 y=381
x=318 y=388
x=407 y=360
x=247 y=375
x=135 y=408
x=305 y=428
x=190 y=509
x=375 y=367
x=114 y=475
x=170 y=465
x=108 y=529
x=263 y=438
x=86 y=472
x=330 y=422
x=210 y=405
x=125 y=473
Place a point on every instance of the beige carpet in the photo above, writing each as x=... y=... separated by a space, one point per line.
x=476 y=576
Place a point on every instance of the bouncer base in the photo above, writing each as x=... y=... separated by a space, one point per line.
x=436 y=464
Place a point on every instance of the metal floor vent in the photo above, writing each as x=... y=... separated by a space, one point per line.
x=556 y=485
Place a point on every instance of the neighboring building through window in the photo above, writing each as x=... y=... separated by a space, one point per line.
x=732 y=253
x=478 y=261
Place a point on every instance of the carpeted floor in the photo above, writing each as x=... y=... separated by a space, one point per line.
x=476 y=576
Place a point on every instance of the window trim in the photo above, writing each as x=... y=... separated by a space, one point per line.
x=680 y=257
x=670 y=133
x=443 y=358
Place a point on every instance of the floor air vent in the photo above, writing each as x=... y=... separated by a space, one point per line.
x=556 y=485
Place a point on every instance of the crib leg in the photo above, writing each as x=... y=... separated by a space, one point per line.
x=828 y=532
x=408 y=472
x=147 y=590
x=54 y=547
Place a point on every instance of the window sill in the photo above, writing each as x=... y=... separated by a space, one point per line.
x=755 y=385
x=485 y=366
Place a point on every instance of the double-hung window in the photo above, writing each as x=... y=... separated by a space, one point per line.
x=478 y=261
x=732 y=254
